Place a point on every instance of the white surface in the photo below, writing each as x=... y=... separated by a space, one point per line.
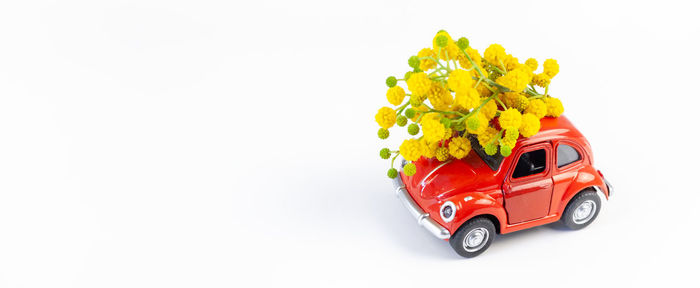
x=232 y=144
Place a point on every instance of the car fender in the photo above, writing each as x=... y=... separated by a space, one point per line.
x=473 y=204
x=586 y=177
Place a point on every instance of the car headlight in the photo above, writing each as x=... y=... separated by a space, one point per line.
x=448 y=211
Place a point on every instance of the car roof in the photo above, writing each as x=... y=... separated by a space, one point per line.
x=552 y=128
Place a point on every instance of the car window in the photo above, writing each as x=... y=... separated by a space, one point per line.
x=566 y=155
x=531 y=163
x=493 y=161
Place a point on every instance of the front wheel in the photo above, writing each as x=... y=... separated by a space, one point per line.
x=581 y=210
x=473 y=238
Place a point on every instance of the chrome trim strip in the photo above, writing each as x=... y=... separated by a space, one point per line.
x=423 y=218
x=398 y=184
x=610 y=187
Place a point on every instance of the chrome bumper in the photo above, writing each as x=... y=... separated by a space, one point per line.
x=418 y=213
x=610 y=187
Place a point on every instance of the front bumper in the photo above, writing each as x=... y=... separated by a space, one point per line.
x=418 y=213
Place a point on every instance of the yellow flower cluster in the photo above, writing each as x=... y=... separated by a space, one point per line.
x=460 y=80
x=516 y=79
x=386 y=117
x=419 y=83
x=411 y=149
x=459 y=147
x=395 y=95
x=511 y=118
x=433 y=129
x=454 y=95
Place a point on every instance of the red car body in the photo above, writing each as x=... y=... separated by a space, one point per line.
x=477 y=190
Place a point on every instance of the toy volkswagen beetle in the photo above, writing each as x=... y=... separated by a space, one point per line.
x=549 y=177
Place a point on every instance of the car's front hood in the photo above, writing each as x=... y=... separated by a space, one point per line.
x=435 y=179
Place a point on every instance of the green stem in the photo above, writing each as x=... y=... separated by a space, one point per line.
x=483 y=103
x=473 y=65
x=442 y=67
x=498 y=137
x=394 y=158
x=502 y=105
x=504 y=67
x=446 y=112
x=438 y=59
x=402 y=107
x=499 y=86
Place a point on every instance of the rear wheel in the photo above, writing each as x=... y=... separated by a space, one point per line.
x=474 y=237
x=581 y=210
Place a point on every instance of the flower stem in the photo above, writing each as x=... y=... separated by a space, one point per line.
x=473 y=65
x=400 y=109
x=394 y=158
x=502 y=105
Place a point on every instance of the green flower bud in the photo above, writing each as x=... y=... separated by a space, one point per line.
x=383 y=133
x=410 y=113
x=473 y=123
x=392 y=173
x=490 y=149
x=391 y=81
x=407 y=75
x=461 y=126
x=446 y=122
x=409 y=169
x=415 y=100
x=413 y=62
x=441 y=41
x=413 y=129
x=385 y=153
x=401 y=120
x=463 y=43
x=506 y=150
x=416 y=70
x=494 y=75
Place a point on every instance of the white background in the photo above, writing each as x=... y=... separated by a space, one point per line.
x=233 y=144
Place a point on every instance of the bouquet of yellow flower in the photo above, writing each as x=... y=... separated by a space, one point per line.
x=491 y=99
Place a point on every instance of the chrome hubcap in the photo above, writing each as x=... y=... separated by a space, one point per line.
x=476 y=239
x=584 y=212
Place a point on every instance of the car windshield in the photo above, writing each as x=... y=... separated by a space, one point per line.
x=493 y=161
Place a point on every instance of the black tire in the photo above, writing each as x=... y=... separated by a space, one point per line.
x=576 y=221
x=477 y=226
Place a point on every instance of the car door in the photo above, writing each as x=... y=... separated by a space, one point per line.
x=528 y=186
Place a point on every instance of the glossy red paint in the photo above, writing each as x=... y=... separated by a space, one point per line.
x=513 y=204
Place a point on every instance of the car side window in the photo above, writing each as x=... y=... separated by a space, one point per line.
x=566 y=155
x=531 y=163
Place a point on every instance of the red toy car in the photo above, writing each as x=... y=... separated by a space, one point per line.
x=548 y=177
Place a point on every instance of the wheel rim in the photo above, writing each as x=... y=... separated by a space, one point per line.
x=475 y=239
x=584 y=212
